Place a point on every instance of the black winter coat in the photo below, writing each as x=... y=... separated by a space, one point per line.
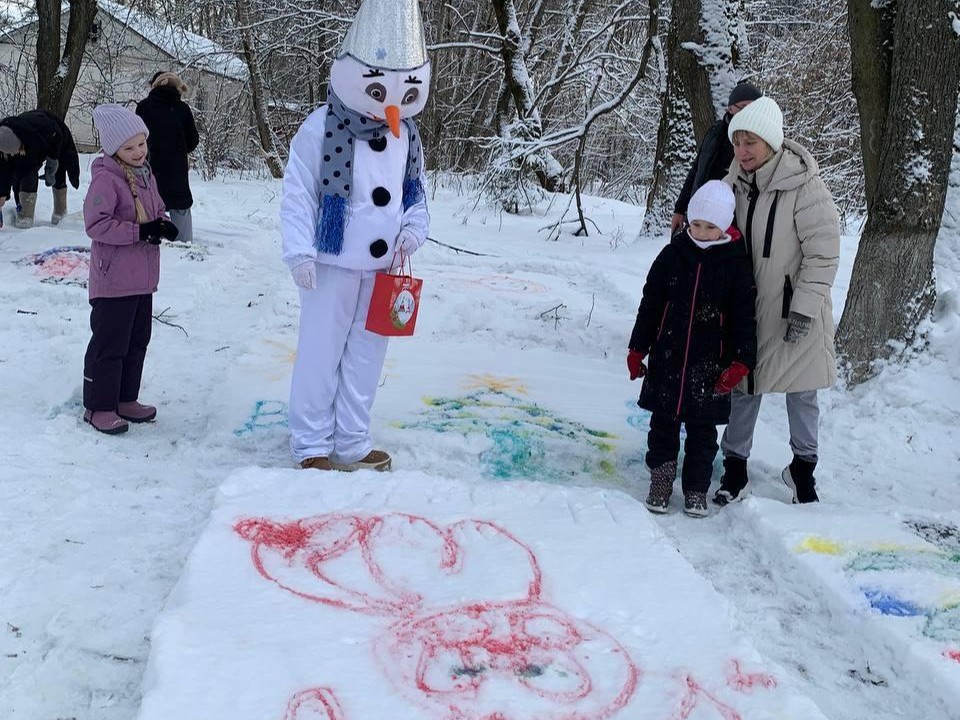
x=712 y=162
x=173 y=136
x=696 y=317
x=43 y=135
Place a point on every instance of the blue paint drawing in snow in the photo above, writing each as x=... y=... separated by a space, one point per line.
x=890 y=605
x=266 y=414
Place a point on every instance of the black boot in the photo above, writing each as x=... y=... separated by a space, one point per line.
x=733 y=484
x=798 y=476
x=661 y=487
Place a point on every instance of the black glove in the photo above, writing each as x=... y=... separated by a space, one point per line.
x=152 y=232
x=168 y=229
x=797 y=327
x=50 y=172
x=155 y=231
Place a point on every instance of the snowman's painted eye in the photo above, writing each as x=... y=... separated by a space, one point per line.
x=377 y=91
x=411 y=96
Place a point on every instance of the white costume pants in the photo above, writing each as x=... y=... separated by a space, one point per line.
x=337 y=369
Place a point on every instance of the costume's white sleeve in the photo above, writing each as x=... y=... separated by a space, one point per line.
x=300 y=202
x=416 y=218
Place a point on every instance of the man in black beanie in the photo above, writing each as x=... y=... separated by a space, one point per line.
x=715 y=153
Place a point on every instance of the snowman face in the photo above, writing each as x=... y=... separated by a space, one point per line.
x=371 y=91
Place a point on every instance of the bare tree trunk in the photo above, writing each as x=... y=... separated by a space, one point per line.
x=694 y=78
x=592 y=117
x=676 y=133
x=893 y=287
x=651 y=46
x=871 y=45
x=264 y=132
x=549 y=172
x=702 y=49
x=57 y=73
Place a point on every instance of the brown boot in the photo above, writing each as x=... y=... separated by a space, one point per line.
x=59 y=205
x=375 y=460
x=316 y=463
x=28 y=206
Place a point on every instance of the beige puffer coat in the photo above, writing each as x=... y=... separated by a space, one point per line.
x=792 y=231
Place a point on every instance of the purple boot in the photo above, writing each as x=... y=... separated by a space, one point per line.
x=106 y=421
x=136 y=412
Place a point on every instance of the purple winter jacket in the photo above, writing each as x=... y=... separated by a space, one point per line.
x=120 y=263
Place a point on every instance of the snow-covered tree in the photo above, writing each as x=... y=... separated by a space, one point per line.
x=58 y=63
x=703 y=50
x=906 y=72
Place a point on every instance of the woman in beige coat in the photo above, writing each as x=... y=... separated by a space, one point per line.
x=792 y=232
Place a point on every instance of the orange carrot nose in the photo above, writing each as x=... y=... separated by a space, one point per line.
x=393 y=119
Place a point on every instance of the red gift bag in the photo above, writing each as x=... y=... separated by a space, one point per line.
x=395 y=302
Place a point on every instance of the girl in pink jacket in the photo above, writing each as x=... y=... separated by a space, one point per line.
x=126 y=221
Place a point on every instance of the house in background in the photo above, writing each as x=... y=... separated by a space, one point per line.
x=124 y=50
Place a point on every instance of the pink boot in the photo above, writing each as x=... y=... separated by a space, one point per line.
x=136 y=412
x=106 y=421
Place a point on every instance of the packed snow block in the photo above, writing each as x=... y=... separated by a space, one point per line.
x=325 y=596
x=900 y=573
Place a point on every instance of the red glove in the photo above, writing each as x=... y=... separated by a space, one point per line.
x=635 y=364
x=731 y=377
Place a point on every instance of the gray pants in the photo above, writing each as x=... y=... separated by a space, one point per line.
x=803 y=415
x=184 y=222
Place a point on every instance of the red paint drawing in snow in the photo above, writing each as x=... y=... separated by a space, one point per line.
x=516 y=661
x=67 y=265
x=316 y=704
x=695 y=695
x=470 y=636
x=747 y=682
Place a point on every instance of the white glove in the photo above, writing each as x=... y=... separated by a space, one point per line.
x=305 y=275
x=407 y=243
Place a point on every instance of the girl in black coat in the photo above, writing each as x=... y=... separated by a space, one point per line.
x=27 y=141
x=696 y=325
x=173 y=136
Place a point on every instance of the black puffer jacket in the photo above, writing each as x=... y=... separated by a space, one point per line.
x=696 y=317
x=173 y=136
x=712 y=162
x=43 y=135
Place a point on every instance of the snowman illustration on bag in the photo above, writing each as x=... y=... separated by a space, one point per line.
x=403 y=308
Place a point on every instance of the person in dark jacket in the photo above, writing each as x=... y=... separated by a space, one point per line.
x=715 y=153
x=696 y=327
x=173 y=136
x=27 y=142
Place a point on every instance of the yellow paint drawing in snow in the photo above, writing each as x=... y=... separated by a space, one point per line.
x=496 y=384
x=819 y=545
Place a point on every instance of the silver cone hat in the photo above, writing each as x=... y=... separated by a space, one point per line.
x=388 y=35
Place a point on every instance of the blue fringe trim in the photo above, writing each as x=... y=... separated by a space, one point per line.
x=413 y=193
x=333 y=217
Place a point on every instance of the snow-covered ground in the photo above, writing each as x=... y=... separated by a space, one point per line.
x=514 y=386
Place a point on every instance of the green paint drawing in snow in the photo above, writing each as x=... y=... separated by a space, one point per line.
x=527 y=441
x=942 y=622
x=946 y=564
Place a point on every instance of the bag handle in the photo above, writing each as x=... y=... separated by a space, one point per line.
x=404 y=261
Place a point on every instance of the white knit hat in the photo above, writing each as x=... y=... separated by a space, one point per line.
x=713 y=202
x=762 y=117
x=116 y=124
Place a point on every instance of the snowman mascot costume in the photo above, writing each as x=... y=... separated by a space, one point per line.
x=353 y=203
